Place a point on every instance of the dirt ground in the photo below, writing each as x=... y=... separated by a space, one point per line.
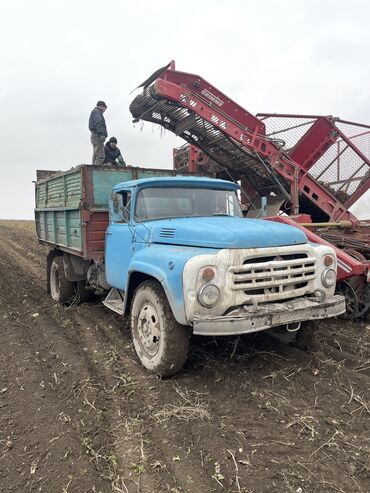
x=79 y=414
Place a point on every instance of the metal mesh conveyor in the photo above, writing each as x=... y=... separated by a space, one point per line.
x=227 y=152
x=342 y=164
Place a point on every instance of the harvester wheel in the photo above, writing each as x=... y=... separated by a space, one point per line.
x=160 y=342
x=346 y=290
x=357 y=298
x=61 y=289
x=363 y=296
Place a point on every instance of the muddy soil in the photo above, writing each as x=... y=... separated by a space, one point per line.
x=79 y=414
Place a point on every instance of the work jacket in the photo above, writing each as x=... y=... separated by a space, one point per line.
x=97 y=123
x=113 y=155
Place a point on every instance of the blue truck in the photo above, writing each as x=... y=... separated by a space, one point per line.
x=176 y=255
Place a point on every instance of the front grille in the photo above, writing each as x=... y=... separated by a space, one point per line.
x=282 y=275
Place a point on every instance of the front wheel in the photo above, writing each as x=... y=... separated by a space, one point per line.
x=160 y=342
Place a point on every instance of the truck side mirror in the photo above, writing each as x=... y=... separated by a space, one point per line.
x=116 y=209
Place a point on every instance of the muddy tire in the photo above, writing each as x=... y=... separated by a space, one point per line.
x=61 y=289
x=160 y=342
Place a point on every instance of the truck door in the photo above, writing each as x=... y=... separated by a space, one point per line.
x=118 y=240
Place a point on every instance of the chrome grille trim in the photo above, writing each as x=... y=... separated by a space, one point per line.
x=283 y=275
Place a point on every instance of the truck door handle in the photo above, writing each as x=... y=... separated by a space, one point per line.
x=108 y=234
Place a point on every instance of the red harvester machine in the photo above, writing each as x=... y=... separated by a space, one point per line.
x=300 y=169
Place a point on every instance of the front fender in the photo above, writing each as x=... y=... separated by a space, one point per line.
x=166 y=264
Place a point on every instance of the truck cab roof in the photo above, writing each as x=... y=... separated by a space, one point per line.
x=178 y=181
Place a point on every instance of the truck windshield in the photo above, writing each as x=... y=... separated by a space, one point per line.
x=165 y=203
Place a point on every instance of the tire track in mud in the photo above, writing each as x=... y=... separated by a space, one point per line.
x=45 y=367
x=58 y=322
x=25 y=253
x=290 y=419
x=176 y=475
x=83 y=321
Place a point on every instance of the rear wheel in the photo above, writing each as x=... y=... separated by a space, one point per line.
x=61 y=289
x=160 y=342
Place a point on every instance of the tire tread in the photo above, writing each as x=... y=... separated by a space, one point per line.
x=177 y=337
x=66 y=287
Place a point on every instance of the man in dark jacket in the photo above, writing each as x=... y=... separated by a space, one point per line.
x=113 y=154
x=98 y=131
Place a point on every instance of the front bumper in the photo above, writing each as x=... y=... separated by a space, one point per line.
x=253 y=319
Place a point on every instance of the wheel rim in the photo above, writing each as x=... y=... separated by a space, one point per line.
x=55 y=282
x=148 y=329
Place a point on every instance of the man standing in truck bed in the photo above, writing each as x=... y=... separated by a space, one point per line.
x=98 y=131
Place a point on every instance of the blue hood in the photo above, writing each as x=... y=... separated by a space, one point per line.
x=224 y=232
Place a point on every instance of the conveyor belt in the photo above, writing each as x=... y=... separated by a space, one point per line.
x=221 y=148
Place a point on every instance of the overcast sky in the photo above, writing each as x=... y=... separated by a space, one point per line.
x=58 y=58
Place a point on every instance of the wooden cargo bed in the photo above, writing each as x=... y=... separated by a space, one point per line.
x=72 y=207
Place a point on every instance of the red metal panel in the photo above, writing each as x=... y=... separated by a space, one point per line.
x=263 y=116
x=302 y=218
x=358 y=194
x=324 y=200
x=314 y=143
x=214 y=97
x=96 y=228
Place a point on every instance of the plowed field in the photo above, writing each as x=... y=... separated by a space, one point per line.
x=79 y=414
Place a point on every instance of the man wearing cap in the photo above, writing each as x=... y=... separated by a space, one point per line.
x=98 y=131
x=113 y=154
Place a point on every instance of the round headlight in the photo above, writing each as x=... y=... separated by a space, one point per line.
x=209 y=295
x=329 y=278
